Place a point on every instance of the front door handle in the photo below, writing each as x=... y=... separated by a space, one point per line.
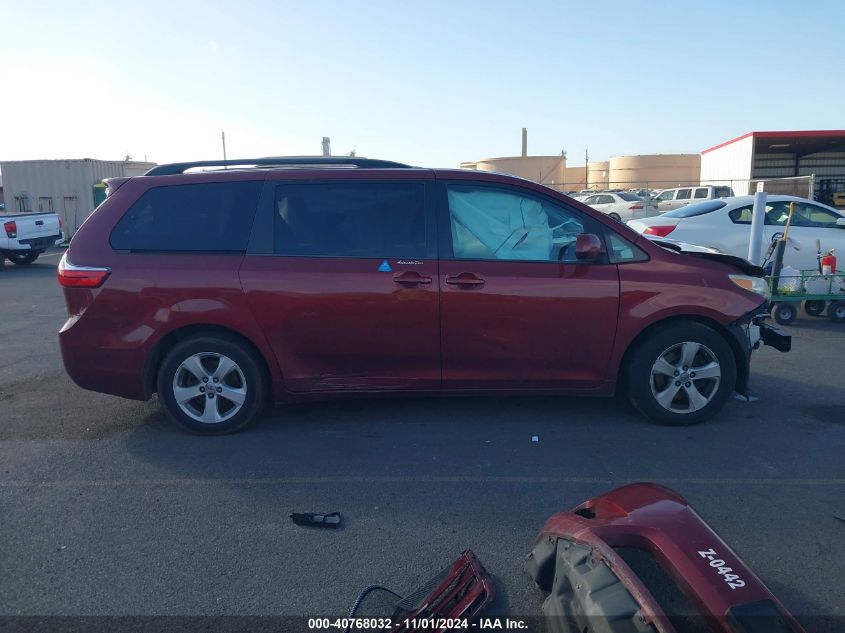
x=411 y=278
x=465 y=279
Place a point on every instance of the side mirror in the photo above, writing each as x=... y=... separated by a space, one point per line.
x=588 y=247
x=841 y=223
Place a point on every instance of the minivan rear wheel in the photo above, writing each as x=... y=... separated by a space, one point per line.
x=681 y=374
x=211 y=385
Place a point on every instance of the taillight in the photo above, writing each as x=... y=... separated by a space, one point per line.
x=71 y=276
x=11 y=228
x=659 y=231
x=634 y=207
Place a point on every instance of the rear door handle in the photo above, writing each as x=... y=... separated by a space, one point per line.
x=411 y=278
x=465 y=279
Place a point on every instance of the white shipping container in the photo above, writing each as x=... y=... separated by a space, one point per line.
x=63 y=186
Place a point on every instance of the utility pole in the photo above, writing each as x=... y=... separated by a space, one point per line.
x=223 y=138
x=586 y=168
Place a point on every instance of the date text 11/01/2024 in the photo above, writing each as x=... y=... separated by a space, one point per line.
x=433 y=624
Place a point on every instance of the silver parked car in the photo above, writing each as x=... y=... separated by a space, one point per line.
x=621 y=206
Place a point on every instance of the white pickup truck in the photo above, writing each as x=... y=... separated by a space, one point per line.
x=24 y=236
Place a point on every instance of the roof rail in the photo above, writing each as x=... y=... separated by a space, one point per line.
x=278 y=161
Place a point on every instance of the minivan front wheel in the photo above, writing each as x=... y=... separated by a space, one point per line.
x=681 y=374
x=211 y=385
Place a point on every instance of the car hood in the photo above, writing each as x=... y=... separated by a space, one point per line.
x=705 y=252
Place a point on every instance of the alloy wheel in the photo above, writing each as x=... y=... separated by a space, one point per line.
x=209 y=387
x=685 y=377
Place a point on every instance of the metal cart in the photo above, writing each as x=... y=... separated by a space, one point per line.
x=819 y=294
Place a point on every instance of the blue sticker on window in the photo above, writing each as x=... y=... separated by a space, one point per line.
x=385 y=267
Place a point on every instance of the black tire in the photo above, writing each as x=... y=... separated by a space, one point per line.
x=784 y=313
x=615 y=216
x=814 y=308
x=23 y=259
x=836 y=311
x=251 y=374
x=663 y=341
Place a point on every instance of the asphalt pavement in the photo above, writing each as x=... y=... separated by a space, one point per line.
x=107 y=509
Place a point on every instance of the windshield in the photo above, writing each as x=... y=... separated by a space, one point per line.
x=693 y=210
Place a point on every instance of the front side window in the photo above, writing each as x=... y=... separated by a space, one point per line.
x=498 y=224
x=777 y=213
x=683 y=194
x=621 y=251
x=592 y=200
x=666 y=195
x=203 y=217
x=812 y=215
x=366 y=219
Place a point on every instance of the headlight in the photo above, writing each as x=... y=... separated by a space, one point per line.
x=754 y=284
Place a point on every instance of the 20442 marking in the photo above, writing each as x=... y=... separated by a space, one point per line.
x=734 y=581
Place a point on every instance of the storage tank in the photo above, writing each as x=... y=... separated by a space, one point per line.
x=659 y=171
x=597 y=174
x=547 y=170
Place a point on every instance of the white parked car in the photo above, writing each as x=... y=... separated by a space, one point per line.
x=621 y=205
x=725 y=225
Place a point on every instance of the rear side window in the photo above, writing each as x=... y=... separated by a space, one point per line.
x=683 y=194
x=741 y=215
x=701 y=192
x=204 y=217
x=722 y=192
x=367 y=219
x=692 y=210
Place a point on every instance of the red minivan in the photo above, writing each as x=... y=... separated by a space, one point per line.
x=224 y=285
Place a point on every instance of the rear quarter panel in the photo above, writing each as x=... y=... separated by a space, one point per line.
x=715 y=230
x=148 y=296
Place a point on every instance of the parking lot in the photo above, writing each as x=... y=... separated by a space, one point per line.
x=108 y=509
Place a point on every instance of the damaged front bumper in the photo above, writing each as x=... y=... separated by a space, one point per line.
x=640 y=559
x=749 y=333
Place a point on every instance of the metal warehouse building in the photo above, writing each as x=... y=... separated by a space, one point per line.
x=72 y=188
x=814 y=159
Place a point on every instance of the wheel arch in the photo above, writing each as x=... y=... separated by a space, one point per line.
x=179 y=334
x=742 y=369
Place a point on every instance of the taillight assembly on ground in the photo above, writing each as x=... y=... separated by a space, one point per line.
x=449 y=601
x=11 y=228
x=71 y=276
x=639 y=558
x=659 y=231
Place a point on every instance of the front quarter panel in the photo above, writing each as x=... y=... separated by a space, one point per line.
x=669 y=286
